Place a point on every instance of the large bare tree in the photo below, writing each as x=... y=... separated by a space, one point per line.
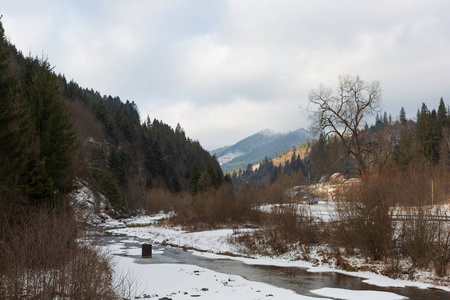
x=343 y=113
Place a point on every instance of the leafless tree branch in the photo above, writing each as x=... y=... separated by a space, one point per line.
x=342 y=114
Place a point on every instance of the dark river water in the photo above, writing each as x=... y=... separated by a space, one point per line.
x=293 y=278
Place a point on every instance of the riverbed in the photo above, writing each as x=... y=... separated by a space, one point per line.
x=176 y=273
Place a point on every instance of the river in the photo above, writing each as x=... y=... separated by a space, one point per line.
x=293 y=278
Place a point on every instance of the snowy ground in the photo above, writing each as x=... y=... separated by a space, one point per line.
x=324 y=210
x=181 y=281
x=177 y=281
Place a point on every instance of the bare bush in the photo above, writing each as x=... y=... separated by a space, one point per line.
x=417 y=235
x=41 y=259
x=157 y=200
x=287 y=226
x=212 y=208
x=294 y=224
x=391 y=216
x=424 y=233
x=364 y=219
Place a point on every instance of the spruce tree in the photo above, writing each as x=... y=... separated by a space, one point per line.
x=16 y=136
x=194 y=178
x=50 y=172
x=442 y=114
x=402 y=116
x=385 y=118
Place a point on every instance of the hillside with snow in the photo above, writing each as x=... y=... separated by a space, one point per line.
x=256 y=147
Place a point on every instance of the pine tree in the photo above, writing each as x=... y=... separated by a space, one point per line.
x=194 y=178
x=403 y=153
x=319 y=156
x=442 y=114
x=274 y=175
x=227 y=178
x=16 y=136
x=436 y=137
x=119 y=164
x=50 y=170
x=171 y=178
x=429 y=134
x=402 y=116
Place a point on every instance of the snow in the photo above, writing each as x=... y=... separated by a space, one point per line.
x=88 y=208
x=213 y=243
x=268 y=132
x=357 y=295
x=324 y=211
x=179 y=281
x=229 y=156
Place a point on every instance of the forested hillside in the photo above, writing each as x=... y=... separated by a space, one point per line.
x=55 y=132
x=125 y=156
x=400 y=144
x=256 y=147
x=57 y=137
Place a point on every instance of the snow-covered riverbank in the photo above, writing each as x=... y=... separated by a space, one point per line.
x=178 y=281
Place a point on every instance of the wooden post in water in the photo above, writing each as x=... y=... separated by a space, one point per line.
x=146 y=251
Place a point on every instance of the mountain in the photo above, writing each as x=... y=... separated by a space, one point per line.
x=256 y=147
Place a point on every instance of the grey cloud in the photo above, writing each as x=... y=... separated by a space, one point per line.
x=247 y=55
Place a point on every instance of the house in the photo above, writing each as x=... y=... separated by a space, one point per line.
x=324 y=179
x=294 y=194
x=337 y=178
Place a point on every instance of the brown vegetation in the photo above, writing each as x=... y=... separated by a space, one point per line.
x=43 y=257
x=282 y=159
x=391 y=217
x=388 y=218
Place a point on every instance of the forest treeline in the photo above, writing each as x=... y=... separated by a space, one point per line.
x=401 y=143
x=127 y=156
x=54 y=131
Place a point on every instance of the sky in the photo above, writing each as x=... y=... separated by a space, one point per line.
x=226 y=69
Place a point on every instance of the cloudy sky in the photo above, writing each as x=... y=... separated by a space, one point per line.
x=227 y=69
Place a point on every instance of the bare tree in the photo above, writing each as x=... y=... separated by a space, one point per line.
x=342 y=114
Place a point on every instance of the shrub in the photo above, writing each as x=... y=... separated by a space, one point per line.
x=42 y=259
x=364 y=219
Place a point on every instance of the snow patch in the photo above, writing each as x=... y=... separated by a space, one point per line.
x=88 y=208
x=356 y=295
x=229 y=157
x=180 y=281
x=268 y=132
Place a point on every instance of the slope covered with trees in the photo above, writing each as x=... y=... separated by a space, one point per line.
x=55 y=137
x=256 y=147
x=125 y=156
x=396 y=144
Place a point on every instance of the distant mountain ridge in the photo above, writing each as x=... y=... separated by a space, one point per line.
x=256 y=147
